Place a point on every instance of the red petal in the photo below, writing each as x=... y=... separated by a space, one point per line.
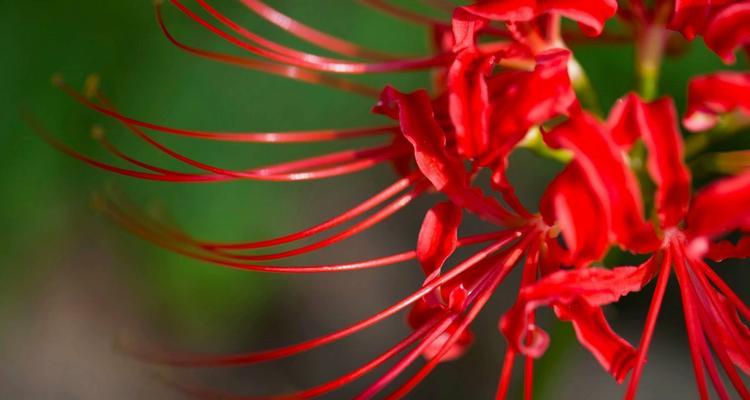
x=438 y=237
x=593 y=332
x=725 y=249
x=469 y=101
x=577 y=294
x=712 y=95
x=691 y=17
x=720 y=208
x=656 y=124
x=446 y=172
x=525 y=99
x=521 y=100
x=608 y=174
x=728 y=30
x=571 y=203
x=665 y=160
x=590 y=14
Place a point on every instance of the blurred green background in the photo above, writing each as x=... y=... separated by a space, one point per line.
x=71 y=280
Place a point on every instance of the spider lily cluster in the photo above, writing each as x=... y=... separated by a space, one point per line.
x=506 y=79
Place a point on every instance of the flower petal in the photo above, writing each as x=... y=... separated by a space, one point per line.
x=438 y=237
x=445 y=171
x=570 y=202
x=728 y=30
x=590 y=14
x=720 y=208
x=709 y=96
x=576 y=296
x=610 y=178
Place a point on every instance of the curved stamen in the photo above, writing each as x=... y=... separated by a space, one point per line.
x=480 y=302
x=287 y=351
x=339 y=66
x=311 y=35
x=250 y=137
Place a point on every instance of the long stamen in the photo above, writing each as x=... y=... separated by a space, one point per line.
x=339 y=66
x=407 y=360
x=287 y=71
x=287 y=351
x=648 y=330
x=692 y=322
x=505 y=375
x=143 y=229
x=326 y=387
x=250 y=137
x=481 y=300
x=311 y=35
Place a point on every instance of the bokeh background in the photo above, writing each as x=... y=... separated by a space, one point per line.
x=72 y=281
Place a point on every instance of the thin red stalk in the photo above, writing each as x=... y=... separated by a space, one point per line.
x=361 y=208
x=250 y=137
x=287 y=71
x=711 y=302
x=528 y=372
x=342 y=162
x=264 y=43
x=487 y=292
x=725 y=290
x=648 y=330
x=407 y=360
x=691 y=321
x=719 y=349
x=312 y=35
x=326 y=387
x=505 y=375
x=287 y=351
x=713 y=373
x=361 y=226
x=139 y=230
x=119 y=154
x=341 y=66
x=142 y=229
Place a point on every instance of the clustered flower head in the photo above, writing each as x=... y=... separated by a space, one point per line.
x=505 y=79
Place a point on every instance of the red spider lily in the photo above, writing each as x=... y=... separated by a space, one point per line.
x=686 y=233
x=424 y=137
x=504 y=74
x=723 y=24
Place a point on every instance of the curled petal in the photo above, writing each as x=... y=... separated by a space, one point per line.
x=725 y=249
x=665 y=161
x=606 y=170
x=576 y=296
x=691 y=17
x=469 y=101
x=524 y=99
x=593 y=332
x=521 y=100
x=710 y=96
x=590 y=14
x=720 y=208
x=445 y=171
x=438 y=237
x=571 y=203
x=729 y=30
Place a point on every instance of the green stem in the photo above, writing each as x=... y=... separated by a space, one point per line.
x=649 y=55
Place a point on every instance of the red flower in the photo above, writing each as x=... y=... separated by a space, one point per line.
x=499 y=87
x=711 y=308
x=724 y=24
